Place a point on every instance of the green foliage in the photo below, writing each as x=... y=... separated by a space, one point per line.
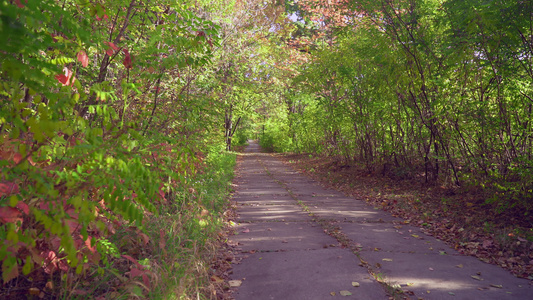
x=95 y=132
x=433 y=88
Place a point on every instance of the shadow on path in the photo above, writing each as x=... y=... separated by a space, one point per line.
x=285 y=253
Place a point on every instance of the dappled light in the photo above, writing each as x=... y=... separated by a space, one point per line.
x=251 y=149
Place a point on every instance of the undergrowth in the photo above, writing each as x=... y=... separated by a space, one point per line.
x=166 y=257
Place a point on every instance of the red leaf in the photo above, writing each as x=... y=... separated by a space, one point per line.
x=63 y=266
x=17 y=158
x=133 y=260
x=8 y=188
x=112 y=48
x=127 y=59
x=83 y=58
x=65 y=78
x=19 y=4
x=62 y=78
x=145 y=238
x=50 y=264
x=88 y=244
x=72 y=225
x=146 y=281
x=100 y=19
x=112 y=45
x=24 y=207
x=136 y=272
x=9 y=215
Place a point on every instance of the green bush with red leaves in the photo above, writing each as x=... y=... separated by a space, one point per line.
x=95 y=99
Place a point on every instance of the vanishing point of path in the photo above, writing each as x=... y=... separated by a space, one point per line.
x=284 y=253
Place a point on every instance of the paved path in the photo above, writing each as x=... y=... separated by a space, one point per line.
x=284 y=253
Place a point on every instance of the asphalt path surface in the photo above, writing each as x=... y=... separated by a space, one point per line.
x=285 y=249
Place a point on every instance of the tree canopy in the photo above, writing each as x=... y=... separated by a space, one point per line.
x=109 y=111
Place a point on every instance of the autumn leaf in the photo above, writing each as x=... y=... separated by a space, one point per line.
x=83 y=58
x=127 y=60
x=133 y=260
x=112 y=48
x=17 y=158
x=23 y=207
x=136 y=272
x=235 y=283
x=105 y=17
x=19 y=4
x=65 y=79
x=9 y=272
x=476 y=277
x=345 y=293
x=9 y=215
x=8 y=188
x=216 y=279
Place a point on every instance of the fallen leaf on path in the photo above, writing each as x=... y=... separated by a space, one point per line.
x=431 y=269
x=451 y=293
x=333 y=293
x=498 y=286
x=246 y=230
x=387 y=259
x=459 y=265
x=235 y=283
x=216 y=279
x=476 y=277
x=345 y=293
x=284 y=241
x=355 y=284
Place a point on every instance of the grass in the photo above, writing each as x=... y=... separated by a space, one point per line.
x=177 y=246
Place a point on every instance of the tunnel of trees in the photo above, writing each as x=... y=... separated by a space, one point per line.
x=117 y=119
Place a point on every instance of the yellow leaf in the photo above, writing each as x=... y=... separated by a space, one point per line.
x=216 y=279
x=387 y=259
x=345 y=293
x=235 y=283
x=356 y=284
